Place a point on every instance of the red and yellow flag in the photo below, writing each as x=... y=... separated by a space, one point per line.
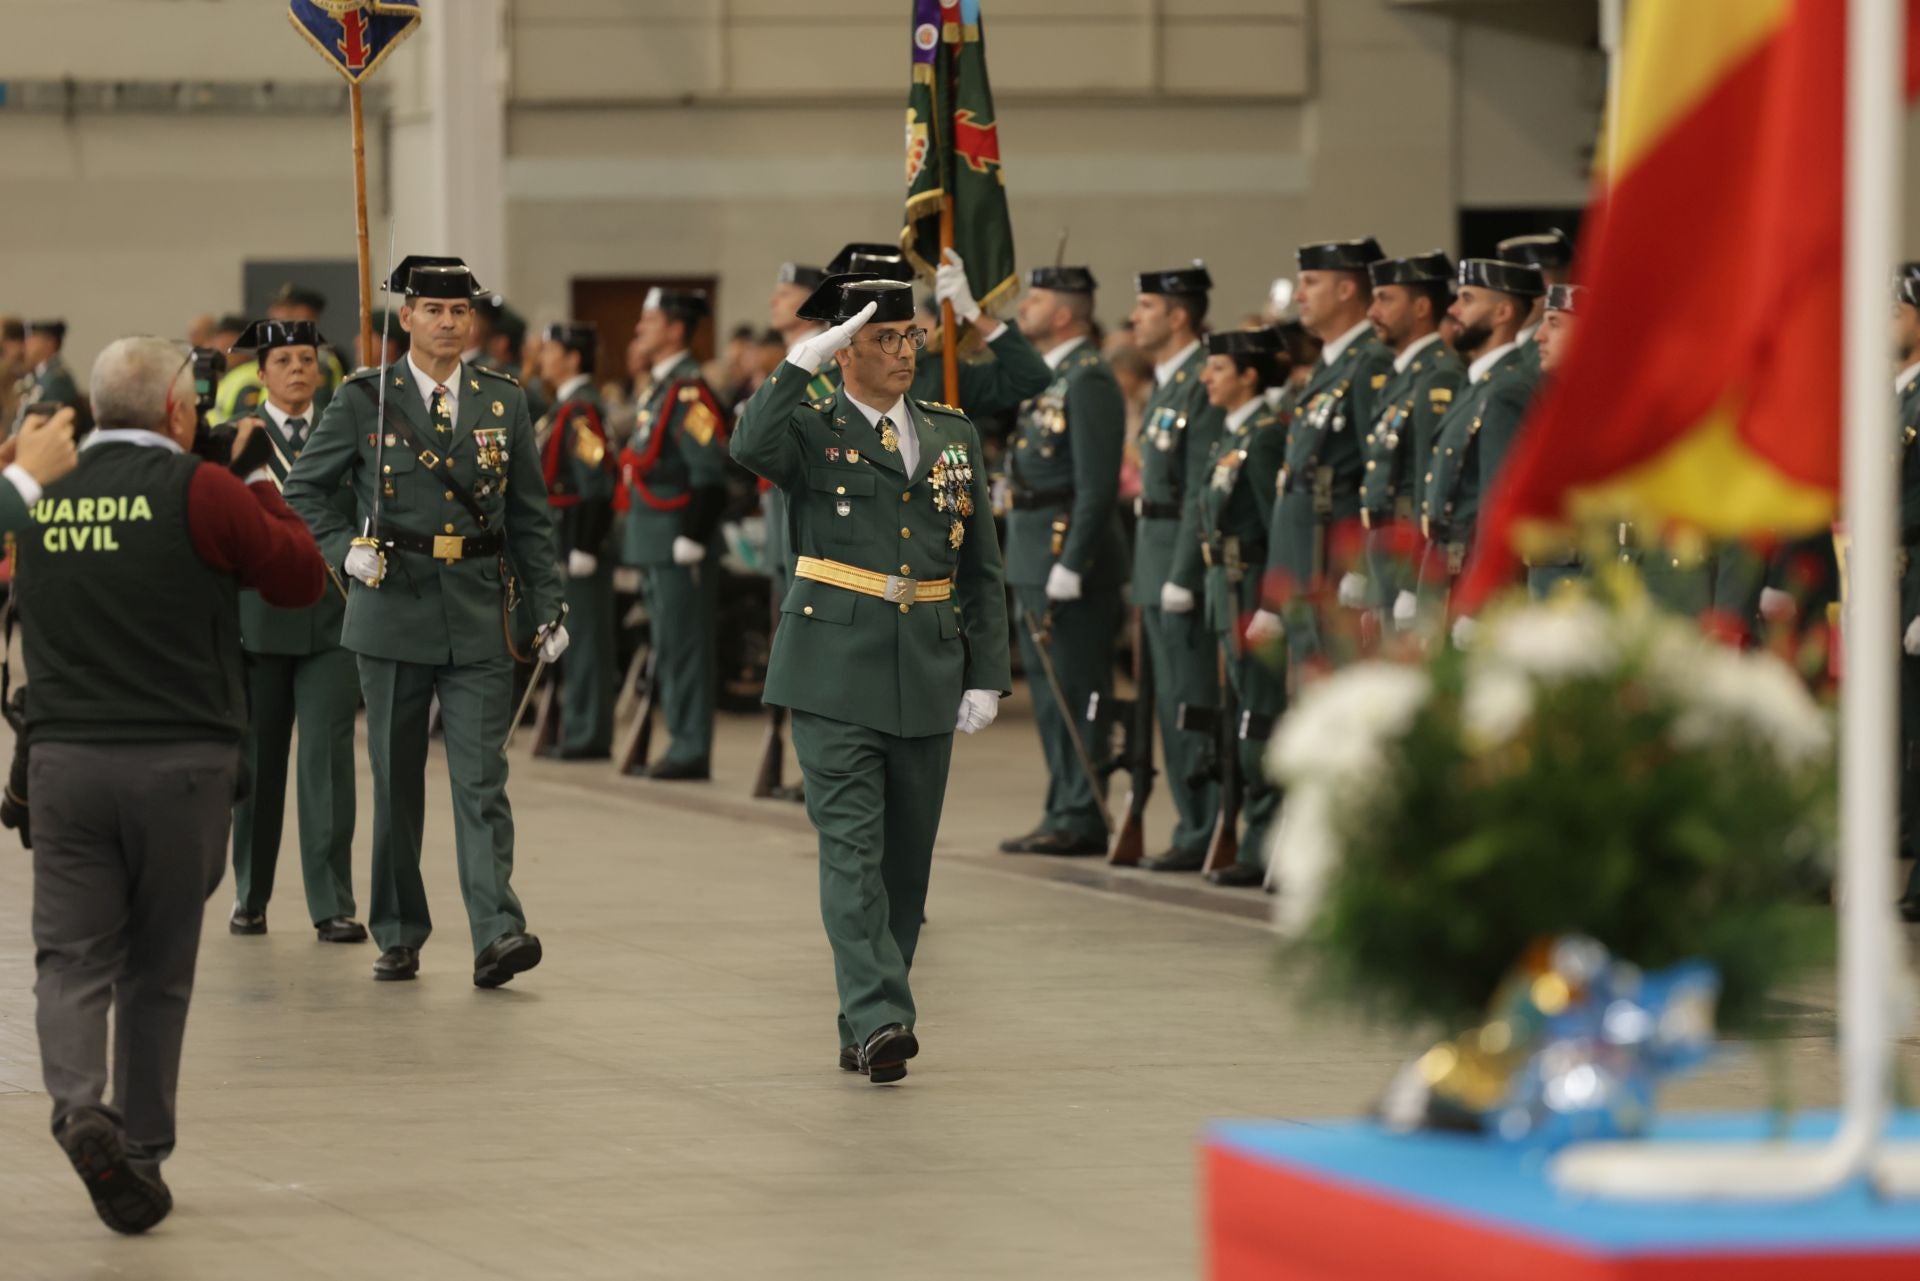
x=1703 y=385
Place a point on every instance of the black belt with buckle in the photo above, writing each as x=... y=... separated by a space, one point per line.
x=1146 y=509
x=1041 y=497
x=446 y=547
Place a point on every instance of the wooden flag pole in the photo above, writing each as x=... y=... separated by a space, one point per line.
x=368 y=357
x=950 y=343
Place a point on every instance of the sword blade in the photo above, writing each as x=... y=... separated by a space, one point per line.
x=520 y=712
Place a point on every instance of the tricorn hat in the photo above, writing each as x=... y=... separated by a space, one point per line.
x=841 y=297
x=1063 y=280
x=427 y=276
x=1433 y=268
x=1549 y=248
x=574 y=335
x=1175 y=280
x=687 y=304
x=1564 y=297
x=1246 y=342
x=1906 y=289
x=263 y=336
x=883 y=260
x=798 y=273
x=1339 y=255
x=1522 y=280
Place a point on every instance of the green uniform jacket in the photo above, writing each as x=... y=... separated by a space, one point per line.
x=1178 y=430
x=1399 y=447
x=674 y=469
x=1910 y=503
x=1472 y=446
x=581 y=493
x=48 y=382
x=1236 y=508
x=1320 y=482
x=1066 y=454
x=898 y=669
x=267 y=629
x=1016 y=373
x=428 y=611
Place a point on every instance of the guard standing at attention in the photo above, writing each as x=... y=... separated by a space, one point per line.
x=297 y=672
x=578 y=467
x=894 y=634
x=458 y=548
x=1177 y=433
x=673 y=488
x=1066 y=553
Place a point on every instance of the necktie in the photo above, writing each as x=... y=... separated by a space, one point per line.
x=442 y=410
x=889 y=439
x=296 y=433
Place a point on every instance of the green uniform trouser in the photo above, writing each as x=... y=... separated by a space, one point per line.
x=322 y=692
x=1185 y=671
x=1082 y=653
x=1298 y=560
x=875 y=801
x=586 y=671
x=1262 y=691
x=682 y=605
x=476 y=702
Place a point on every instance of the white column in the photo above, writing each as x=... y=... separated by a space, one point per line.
x=449 y=141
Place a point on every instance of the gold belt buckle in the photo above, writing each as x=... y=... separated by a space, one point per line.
x=447 y=547
x=900 y=590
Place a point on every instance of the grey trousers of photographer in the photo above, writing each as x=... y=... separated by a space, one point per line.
x=129 y=840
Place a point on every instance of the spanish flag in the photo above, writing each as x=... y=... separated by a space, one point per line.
x=1703 y=384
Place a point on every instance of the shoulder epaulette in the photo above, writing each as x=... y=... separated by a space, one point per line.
x=945 y=409
x=821 y=405
x=365 y=371
x=505 y=378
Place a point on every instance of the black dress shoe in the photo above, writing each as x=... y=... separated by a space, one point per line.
x=885 y=1054
x=1021 y=844
x=128 y=1199
x=1910 y=907
x=585 y=754
x=1175 y=861
x=397 y=964
x=850 y=1058
x=245 y=922
x=510 y=954
x=1238 y=877
x=341 y=929
x=680 y=771
x=1067 y=845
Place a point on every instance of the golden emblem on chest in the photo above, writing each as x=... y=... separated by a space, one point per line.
x=956 y=534
x=889 y=439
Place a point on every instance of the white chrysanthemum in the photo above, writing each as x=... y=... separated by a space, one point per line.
x=1727 y=692
x=1495 y=705
x=1301 y=855
x=1336 y=728
x=1570 y=637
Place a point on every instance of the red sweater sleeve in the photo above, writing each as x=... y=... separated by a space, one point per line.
x=250 y=532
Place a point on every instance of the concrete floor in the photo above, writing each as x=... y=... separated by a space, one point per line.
x=660 y=1098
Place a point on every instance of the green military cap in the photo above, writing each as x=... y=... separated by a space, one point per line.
x=840 y=298
x=427 y=276
x=510 y=323
x=1433 y=268
x=296 y=295
x=1246 y=342
x=883 y=260
x=1339 y=255
x=1550 y=249
x=264 y=336
x=1302 y=347
x=682 y=304
x=574 y=335
x=54 y=329
x=799 y=273
x=1522 y=280
x=1063 y=280
x=1564 y=298
x=1175 y=280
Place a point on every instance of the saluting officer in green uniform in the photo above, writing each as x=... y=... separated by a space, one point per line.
x=1177 y=433
x=673 y=488
x=1552 y=252
x=46 y=380
x=297 y=671
x=1906 y=388
x=1320 y=482
x=1066 y=553
x=1410 y=295
x=1495 y=299
x=578 y=468
x=894 y=634
x=448 y=488
x=1236 y=500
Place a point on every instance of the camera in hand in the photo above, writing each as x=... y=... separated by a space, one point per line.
x=215 y=444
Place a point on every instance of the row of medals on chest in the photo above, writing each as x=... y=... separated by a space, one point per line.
x=950 y=479
x=489 y=453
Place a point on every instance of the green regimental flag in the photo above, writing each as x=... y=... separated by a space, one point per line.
x=953 y=147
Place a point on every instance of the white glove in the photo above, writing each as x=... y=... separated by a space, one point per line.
x=1463 y=630
x=581 y=564
x=1777 y=606
x=978 y=707
x=811 y=353
x=1353 y=591
x=1264 y=626
x=1911 y=641
x=553 y=641
x=365 y=564
x=950 y=285
x=1175 y=599
x=687 y=552
x=1406 y=607
x=1062 y=583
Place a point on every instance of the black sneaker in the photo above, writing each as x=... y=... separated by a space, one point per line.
x=127 y=1199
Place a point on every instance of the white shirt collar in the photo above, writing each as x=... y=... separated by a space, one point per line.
x=130 y=436
x=665 y=367
x=280 y=416
x=1526 y=334
x=1238 y=417
x=425 y=385
x=572 y=385
x=898 y=413
x=1904 y=379
x=1164 y=371
x=903 y=427
x=1338 y=347
x=1478 y=369
x=1414 y=348
x=1054 y=355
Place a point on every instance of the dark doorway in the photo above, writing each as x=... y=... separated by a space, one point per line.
x=613 y=304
